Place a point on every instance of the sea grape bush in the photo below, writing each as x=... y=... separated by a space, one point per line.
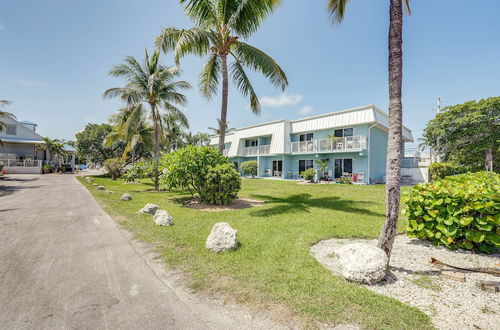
x=461 y=211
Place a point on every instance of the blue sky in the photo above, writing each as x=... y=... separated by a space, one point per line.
x=55 y=55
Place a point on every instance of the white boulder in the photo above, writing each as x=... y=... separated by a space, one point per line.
x=109 y=192
x=362 y=263
x=149 y=208
x=162 y=218
x=126 y=197
x=100 y=187
x=222 y=237
x=95 y=184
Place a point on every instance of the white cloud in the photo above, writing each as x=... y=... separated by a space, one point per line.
x=305 y=110
x=280 y=100
x=32 y=83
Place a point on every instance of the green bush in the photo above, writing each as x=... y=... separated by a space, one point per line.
x=194 y=168
x=2 y=164
x=442 y=170
x=461 y=211
x=309 y=174
x=47 y=168
x=222 y=185
x=140 y=170
x=114 y=166
x=249 y=167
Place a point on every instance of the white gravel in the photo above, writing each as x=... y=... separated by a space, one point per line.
x=414 y=281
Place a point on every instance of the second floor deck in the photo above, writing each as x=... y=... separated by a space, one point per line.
x=339 y=144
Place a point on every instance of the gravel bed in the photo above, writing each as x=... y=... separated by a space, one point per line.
x=414 y=281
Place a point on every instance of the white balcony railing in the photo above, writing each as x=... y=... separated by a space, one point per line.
x=22 y=163
x=340 y=144
x=257 y=151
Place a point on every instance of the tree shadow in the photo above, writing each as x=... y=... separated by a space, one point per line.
x=9 y=190
x=303 y=202
x=17 y=179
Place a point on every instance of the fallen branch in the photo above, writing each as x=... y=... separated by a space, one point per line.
x=493 y=271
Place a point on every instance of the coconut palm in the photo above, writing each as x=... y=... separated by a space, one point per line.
x=336 y=9
x=4 y=114
x=154 y=84
x=130 y=125
x=216 y=130
x=219 y=25
x=174 y=126
x=198 y=139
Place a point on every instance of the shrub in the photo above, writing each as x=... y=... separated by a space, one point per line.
x=190 y=168
x=460 y=211
x=309 y=174
x=2 y=164
x=222 y=185
x=47 y=168
x=114 y=166
x=140 y=170
x=442 y=170
x=249 y=167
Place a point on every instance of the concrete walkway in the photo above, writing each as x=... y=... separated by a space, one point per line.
x=64 y=263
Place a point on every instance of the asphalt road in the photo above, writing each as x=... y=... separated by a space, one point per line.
x=65 y=264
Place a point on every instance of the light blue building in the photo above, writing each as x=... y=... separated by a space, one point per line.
x=286 y=148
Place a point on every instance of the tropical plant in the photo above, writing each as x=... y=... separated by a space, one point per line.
x=154 y=84
x=52 y=147
x=174 y=126
x=459 y=211
x=219 y=25
x=309 y=174
x=250 y=167
x=90 y=144
x=198 y=139
x=114 y=166
x=2 y=164
x=336 y=9
x=442 y=170
x=130 y=126
x=140 y=170
x=4 y=114
x=190 y=168
x=216 y=130
x=467 y=134
x=323 y=166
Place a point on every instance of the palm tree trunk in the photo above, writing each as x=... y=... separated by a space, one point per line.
x=393 y=176
x=223 y=110
x=156 y=145
x=133 y=155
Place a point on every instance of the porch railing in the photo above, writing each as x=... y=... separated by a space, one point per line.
x=348 y=143
x=257 y=150
x=21 y=163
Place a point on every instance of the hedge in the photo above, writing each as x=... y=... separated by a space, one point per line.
x=442 y=170
x=461 y=211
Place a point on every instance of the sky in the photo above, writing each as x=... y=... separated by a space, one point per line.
x=55 y=56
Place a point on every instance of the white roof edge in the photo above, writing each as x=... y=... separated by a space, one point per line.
x=387 y=115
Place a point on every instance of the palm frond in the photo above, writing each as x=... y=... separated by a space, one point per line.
x=243 y=83
x=261 y=62
x=202 y=12
x=336 y=10
x=210 y=77
x=248 y=15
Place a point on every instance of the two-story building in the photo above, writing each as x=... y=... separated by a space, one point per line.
x=353 y=142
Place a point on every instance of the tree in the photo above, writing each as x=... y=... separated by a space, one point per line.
x=250 y=167
x=130 y=126
x=216 y=130
x=174 y=125
x=53 y=147
x=4 y=114
x=219 y=25
x=90 y=144
x=336 y=9
x=198 y=139
x=154 y=84
x=323 y=166
x=467 y=134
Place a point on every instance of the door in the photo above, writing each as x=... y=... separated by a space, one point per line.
x=343 y=166
x=277 y=167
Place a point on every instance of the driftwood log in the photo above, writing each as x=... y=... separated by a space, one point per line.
x=493 y=271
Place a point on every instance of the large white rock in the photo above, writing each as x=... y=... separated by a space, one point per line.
x=126 y=197
x=149 y=208
x=222 y=237
x=162 y=218
x=101 y=187
x=362 y=263
x=109 y=192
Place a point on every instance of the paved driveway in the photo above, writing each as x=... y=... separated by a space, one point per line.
x=64 y=263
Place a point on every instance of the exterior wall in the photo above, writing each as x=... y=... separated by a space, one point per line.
x=22 y=170
x=378 y=153
x=20 y=149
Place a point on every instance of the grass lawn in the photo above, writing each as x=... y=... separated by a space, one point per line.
x=272 y=267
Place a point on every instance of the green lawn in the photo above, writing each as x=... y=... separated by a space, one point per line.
x=272 y=268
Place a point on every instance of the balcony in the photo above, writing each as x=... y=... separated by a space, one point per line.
x=256 y=151
x=340 y=144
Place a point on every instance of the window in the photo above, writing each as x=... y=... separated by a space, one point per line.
x=251 y=143
x=304 y=165
x=343 y=166
x=306 y=137
x=343 y=132
x=10 y=129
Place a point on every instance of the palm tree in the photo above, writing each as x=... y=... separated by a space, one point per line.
x=174 y=125
x=336 y=9
x=219 y=25
x=217 y=130
x=154 y=84
x=199 y=139
x=130 y=126
x=4 y=114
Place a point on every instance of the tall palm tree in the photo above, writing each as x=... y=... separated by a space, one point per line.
x=219 y=25
x=199 y=139
x=130 y=125
x=217 y=130
x=174 y=126
x=154 y=84
x=4 y=114
x=336 y=9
